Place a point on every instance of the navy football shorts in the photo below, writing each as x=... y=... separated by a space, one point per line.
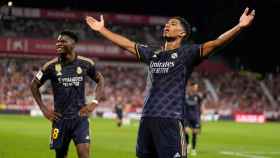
x=192 y=122
x=119 y=115
x=160 y=138
x=64 y=130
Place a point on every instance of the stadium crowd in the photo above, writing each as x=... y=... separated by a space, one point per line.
x=273 y=83
x=236 y=92
x=16 y=75
x=43 y=28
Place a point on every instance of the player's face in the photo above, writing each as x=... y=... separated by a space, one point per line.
x=64 y=44
x=173 y=29
x=119 y=99
x=195 y=88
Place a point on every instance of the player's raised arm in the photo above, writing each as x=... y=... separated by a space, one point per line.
x=115 y=38
x=244 y=21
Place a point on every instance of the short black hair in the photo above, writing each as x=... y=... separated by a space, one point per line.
x=186 y=26
x=194 y=83
x=70 y=34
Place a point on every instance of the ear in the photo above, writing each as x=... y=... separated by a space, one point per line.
x=183 y=34
x=73 y=42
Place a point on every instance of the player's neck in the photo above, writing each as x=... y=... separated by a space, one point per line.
x=170 y=45
x=69 y=57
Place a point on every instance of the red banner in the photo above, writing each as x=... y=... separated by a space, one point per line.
x=249 y=118
x=79 y=15
x=3 y=44
x=40 y=47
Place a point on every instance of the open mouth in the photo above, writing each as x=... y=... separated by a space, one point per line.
x=166 y=30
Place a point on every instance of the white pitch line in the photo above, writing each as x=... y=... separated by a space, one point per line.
x=238 y=154
x=263 y=153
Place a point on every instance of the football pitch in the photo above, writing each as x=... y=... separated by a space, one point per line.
x=26 y=137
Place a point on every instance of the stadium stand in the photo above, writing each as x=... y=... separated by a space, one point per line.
x=235 y=91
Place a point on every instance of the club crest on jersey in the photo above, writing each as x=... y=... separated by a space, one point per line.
x=79 y=70
x=58 y=69
x=174 y=55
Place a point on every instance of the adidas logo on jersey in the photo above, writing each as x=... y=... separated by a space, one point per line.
x=177 y=155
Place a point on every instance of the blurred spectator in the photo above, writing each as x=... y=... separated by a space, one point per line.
x=16 y=75
x=237 y=92
x=45 y=28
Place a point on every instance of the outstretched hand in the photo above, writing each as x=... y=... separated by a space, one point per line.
x=246 y=18
x=94 y=24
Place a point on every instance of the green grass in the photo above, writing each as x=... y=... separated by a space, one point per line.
x=26 y=137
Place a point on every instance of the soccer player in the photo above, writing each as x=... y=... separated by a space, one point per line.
x=192 y=116
x=67 y=74
x=119 y=111
x=160 y=133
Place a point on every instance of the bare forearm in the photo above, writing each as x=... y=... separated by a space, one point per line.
x=228 y=36
x=99 y=91
x=245 y=20
x=221 y=41
x=118 y=39
x=37 y=95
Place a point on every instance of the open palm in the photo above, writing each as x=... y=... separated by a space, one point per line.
x=94 y=24
x=246 y=18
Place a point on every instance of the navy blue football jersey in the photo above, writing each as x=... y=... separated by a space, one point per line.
x=168 y=74
x=68 y=83
x=193 y=103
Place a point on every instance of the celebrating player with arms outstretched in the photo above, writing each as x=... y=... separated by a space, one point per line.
x=160 y=132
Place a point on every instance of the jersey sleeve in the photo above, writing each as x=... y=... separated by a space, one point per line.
x=91 y=71
x=144 y=53
x=193 y=54
x=43 y=75
x=199 y=99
